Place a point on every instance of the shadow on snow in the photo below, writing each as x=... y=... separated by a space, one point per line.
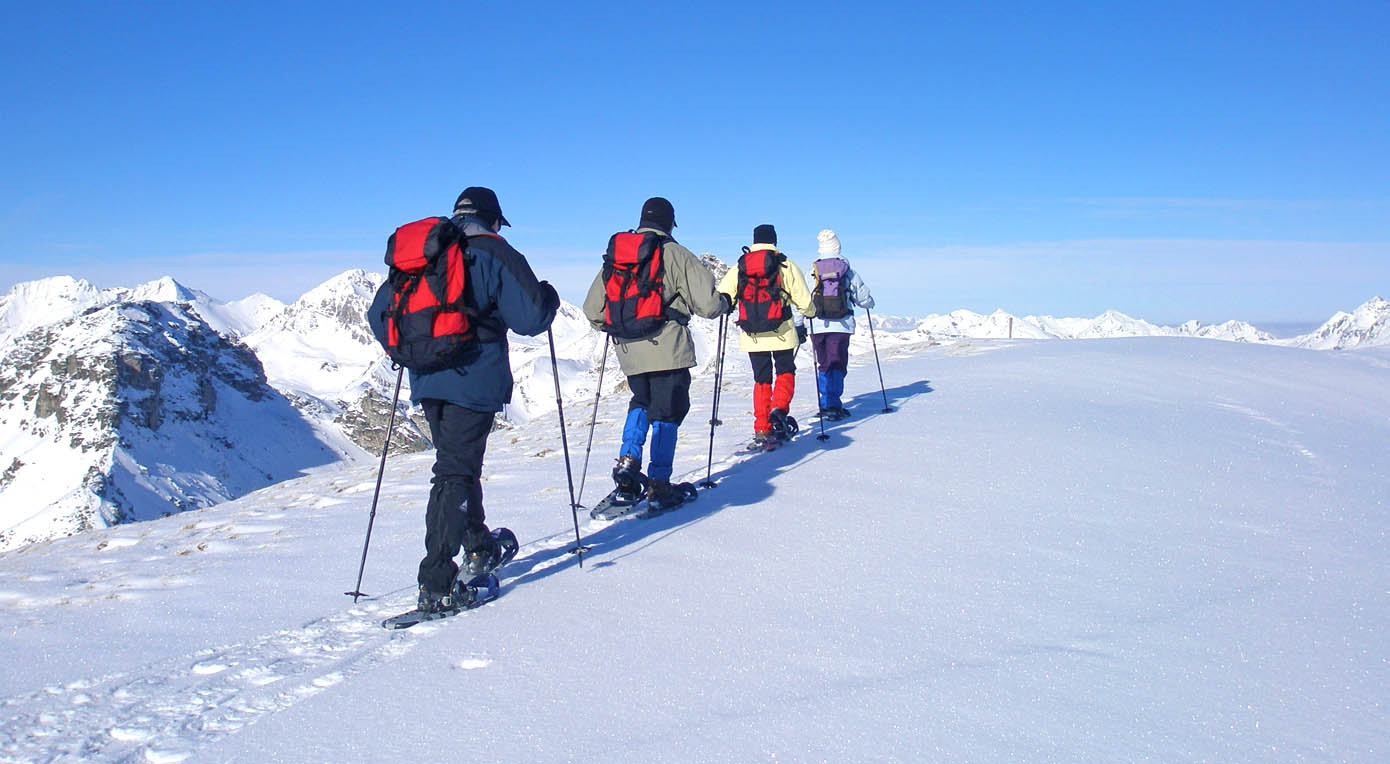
x=742 y=479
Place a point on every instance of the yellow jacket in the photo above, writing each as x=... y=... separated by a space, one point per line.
x=793 y=285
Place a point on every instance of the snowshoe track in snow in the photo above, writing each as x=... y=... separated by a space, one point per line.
x=168 y=710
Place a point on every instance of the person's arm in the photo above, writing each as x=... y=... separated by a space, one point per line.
x=376 y=318
x=729 y=284
x=525 y=304
x=595 y=302
x=859 y=292
x=795 y=287
x=696 y=283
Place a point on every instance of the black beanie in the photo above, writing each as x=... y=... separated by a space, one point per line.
x=658 y=213
x=765 y=234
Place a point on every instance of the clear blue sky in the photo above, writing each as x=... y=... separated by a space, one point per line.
x=1173 y=160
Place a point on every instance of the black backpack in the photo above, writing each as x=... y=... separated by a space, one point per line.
x=428 y=322
x=634 y=300
x=762 y=305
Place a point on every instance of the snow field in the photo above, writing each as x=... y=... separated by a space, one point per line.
x=1153 y=549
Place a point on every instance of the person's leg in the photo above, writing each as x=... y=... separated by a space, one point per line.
x=784 y=362
x=627 y=472
x=818 y=344
x=762 y=390
x=669 y=404
x=635 y=429
x=837 y=364
x=455 y=514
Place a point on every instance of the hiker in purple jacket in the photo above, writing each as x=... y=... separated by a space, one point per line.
x=836 y=289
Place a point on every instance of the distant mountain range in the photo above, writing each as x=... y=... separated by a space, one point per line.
x=129 y=403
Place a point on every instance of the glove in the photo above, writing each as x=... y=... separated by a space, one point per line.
x=725 y=304
x=801 y=335
x=549 y=297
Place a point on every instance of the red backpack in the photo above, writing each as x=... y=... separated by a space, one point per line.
x=762 y=305
x=427 y=323
x=634 y=305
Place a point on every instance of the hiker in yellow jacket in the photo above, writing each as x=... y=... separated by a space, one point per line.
x=765 y=287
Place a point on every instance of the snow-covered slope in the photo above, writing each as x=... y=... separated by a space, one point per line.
x=134 y=411
x=1146 y=549
x=1368 y=325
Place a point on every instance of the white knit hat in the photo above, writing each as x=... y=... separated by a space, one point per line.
x=829 y=244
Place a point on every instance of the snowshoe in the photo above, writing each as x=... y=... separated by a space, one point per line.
x=759 y=442
x=498 y=551
x=833 y=413
x=617 y=503
x=628 y=477
x=784 y=426
x=663 y=496
x=432 y=606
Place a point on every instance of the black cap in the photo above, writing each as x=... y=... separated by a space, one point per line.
x=765 y=234
x=658 y=213
x=482 y=202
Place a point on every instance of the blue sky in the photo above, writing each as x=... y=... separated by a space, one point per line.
x=1179 y=160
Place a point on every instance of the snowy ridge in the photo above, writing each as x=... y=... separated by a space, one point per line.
x=32 y=304
x=318 y=354
x=133 y=411
x=1110 y=324
x=1065 y=562
x=1368 y=325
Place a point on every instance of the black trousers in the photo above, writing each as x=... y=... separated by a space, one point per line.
x=664 y=394
x=766 y=361
x=455 y=513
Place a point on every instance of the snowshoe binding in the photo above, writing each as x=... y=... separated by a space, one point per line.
x=631 y=486
x=784 y=426
x=834 y=413
x=498 y=550
x=663 y=496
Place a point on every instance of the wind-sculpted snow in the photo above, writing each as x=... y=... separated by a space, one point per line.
x=1141 y=549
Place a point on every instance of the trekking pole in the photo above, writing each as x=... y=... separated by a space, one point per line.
x=579 y=548
x=714 y=405
x=391 y=425
x=593 y=420
x=886 y=408
x=815 y=361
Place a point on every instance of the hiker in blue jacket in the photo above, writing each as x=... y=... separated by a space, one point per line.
x=835 y=289
x=459 y=403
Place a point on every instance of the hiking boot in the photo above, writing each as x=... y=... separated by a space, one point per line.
x=434 y=602
x=627 y=476
x=783 y=426
x=483 y=558
x=663 y=497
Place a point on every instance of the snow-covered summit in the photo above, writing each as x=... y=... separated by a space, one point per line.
x=32 y=304
x=1368 y=325
x=165 y=289
x=320 y=344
